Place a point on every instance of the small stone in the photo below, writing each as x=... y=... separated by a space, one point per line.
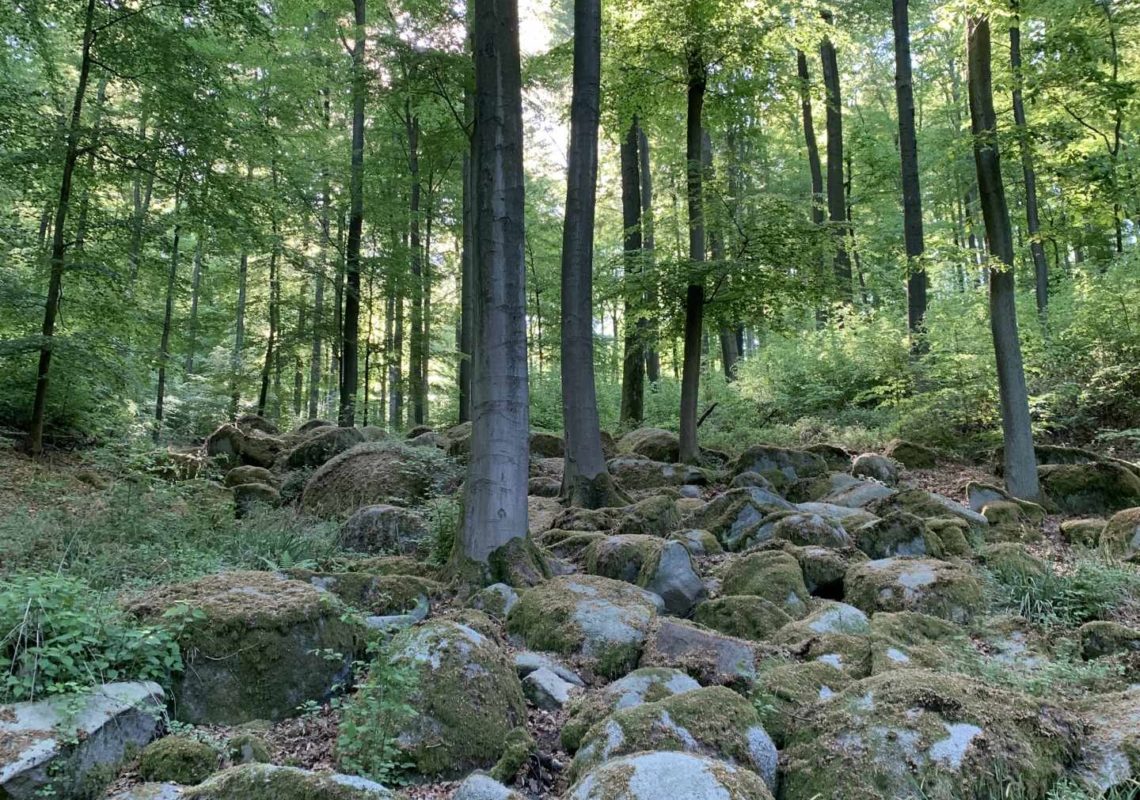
x=547 y=690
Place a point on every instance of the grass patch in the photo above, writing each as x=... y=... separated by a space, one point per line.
x=1093 y=589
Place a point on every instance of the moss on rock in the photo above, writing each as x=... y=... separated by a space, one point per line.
x=742 y=616
x=897 y=534
x=771 y=574
x=177 y=759
x=267 y=782
x=1090 y=488
x=1121 y=536
x=929 y=586
x=666 y=776
x=783 y=692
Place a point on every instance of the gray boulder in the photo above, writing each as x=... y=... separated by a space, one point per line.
x=268 y=782
x=547 y=690
x=484 y=787
x=668 y=776
x=384 y=529
x=873 y=465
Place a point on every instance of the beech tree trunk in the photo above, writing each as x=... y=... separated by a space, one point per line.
x=912 y=193
x=1032 y=214
x=836 y=202
x=195 y=291
x=695 y=294
x=416 y=351
x=274 y=323
x=466 y=292
x=1020 y=460
x=349 y=365
x=495 y=502
x=239 y=336
x=634 y=362
x=35 y=443
x=168 y=314
x=652 y=357
x=814 y=165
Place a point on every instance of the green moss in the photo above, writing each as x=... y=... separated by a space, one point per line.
x=177 y=759
x=784 y=692
x=897 y=533
x=517 y=751
x=910 y=640
x=621 y=557
x=1083 y=532
x=952 y=533
x=1103 y=638
x=519 y=562
x=374 y=594
x=266 y=782
x=1010 y=558
x=247 y=748
x=743 y=616
x=1121 y=536
x=1090 y=488
x=773 y=575
x=929 y=586
x=654 y=516
x=568 y=544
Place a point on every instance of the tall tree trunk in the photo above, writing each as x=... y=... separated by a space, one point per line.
x=425 y=352
x=274 y=323
x=195 y=291
x=1032 y=215
x=316 y=360
x=335 y=367
x=652 y=356
x=495 y=502
x=729 y=355
x=836 y=202
x=1020 y=460
x=912 y=193
x=396 y=365
x=89 y=169
x=35 y=442
x=466 y=292
x=695 y=294
x=633 y=368
x=416 y=349
x=585 y=480
x=239 y=336
x=168 y=314
x=814 y=165
x=349 y=363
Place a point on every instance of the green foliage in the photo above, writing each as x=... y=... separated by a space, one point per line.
x=367 y=742
x=1091 y=590
x=444 y=518
x=57 y=635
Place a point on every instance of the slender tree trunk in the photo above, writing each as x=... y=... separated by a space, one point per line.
x=495 y=502
x=274 y=323
x=335 y=367
x=652 y=356
x=836 y=202
x=585 y=481
x=1020 y=460
x=695 y=294
x=396 y=365
x=814 y=165
x=195 y=291
x=35 y=443
x=1032 y=215
x=315 y=357
x=239 y=336
x=633 y=368
x=912 y=193
x=349 y=363
x=168 y=314
x=425 y=352
x=466 y=292
x=89 y=169
x=416 y=350
x=142 y=191
x=537 y=306
x=729 y=355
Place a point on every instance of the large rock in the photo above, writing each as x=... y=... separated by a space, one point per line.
x=255 y=645
x=733 y=516
x=645 y=685
x=1121 y=536
x=233 y=445
x=484 y=787
x=715 y=722
x=178 y=759
x=710 y=657
x=928 y=586
x=652 y=443
x=1090 y=488
x=637 y=473
x=847 y=491
x=897 y=534
x=378 y=472
x=384 y=529
x=374 y=593
x=544 y=445
x=809 y=530
x=927 y=505
x=873 y=465
x=655 y=516
x=464 y=690
x=604 y=620
x=1110 y=758
x=919 y=734
x=663 y=567
x=771 y=574
x=248 y=497
x=784 y=692
x=249 y=474
x=780 y=463
x=69 y=745
x=668 y=776
x=909 y=454
x=321 y=445
x=268 y=782
x=743 y=616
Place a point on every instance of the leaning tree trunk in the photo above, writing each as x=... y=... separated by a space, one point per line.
x=633 y=367
x=652 y=356
x=836 y=200
x=912 y=194
x=495 y=502
x=1020 y=461
x=695 y=294
x=814 y=164
x=1032 y=215
x=349 y=362
x=58 y=243
x=274 y=324
x=585 y=479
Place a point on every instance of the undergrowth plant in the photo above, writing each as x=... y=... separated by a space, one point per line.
x=1091 y=590
x=367 y=740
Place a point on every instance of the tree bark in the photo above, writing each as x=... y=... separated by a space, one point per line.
x=814 y=165
x=239 y=336
x=416 y=350
x=195 y=291
x=168 y=314
x=634 y=363
x=274 y=324
x=35 y=443
x=695 y=294
x=466 y=292
x=1020 y=460
x=652 y=356
x=836 y=202
x=396 y=364
x=1032 y=214
x=912 y=193
x=585 y=480
x=495 y=502
x=349 y=363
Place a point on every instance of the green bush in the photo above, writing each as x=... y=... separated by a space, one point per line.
x=57 y=635
x=1091 y=590
x=367 y=739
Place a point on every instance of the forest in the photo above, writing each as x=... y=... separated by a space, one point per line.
x=634 y=400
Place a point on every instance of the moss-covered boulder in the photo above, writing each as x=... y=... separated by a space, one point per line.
x=979 y=495
x=249 y=474
x=652 y=443
x=878 y=467
x=1090 y=488
x=576 y=518
x=710 y=657
x=177 y=759
x=910 y=640
x=256 y=645
x=810 y=529
x=1084 y=532
x=268 y=782
x=464 y=690
x=771 y=574
x=824 y=568
x=496 y=600
x=248 y=497
x=697 y=542
x=713 y=722
x=743 y=616
x=378 y=472
x=635 y=473
x=927 y=505
x=233 y=445
x=920 y=734
x=784 y=692
x=929 y=586
x=570 y=545
x=604 y=620
x=669 y=776
x=484 y=787
x=321 y=445
x=663 y=567
x=732 y=516
x=1011 y=560
x=374 y=594
x=897 y=534
x=1121 y=536
x=835 y=634
x=1110 y=760
x=837 y=457
x=654 y=516
x=247 y=748
x=780 y=461
x=645 y=685
x=911 y=455
x=384 y=530
x=1103 y=638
